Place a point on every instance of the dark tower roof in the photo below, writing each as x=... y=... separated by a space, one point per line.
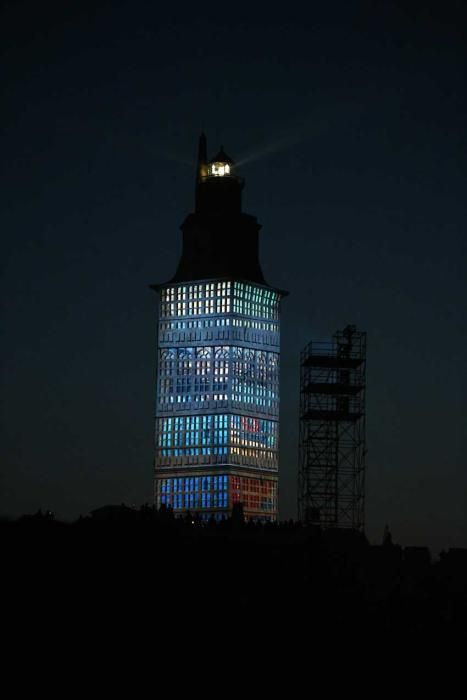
x=221 y=157
x=219 y=240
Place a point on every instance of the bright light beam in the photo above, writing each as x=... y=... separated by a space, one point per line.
x=297 y=136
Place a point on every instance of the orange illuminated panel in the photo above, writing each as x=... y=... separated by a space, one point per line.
x=258 y=496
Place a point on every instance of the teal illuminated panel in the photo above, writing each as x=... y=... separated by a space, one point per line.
x=255 y=301
x=192 y=435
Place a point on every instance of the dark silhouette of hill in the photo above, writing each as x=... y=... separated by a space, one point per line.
x=121 y=564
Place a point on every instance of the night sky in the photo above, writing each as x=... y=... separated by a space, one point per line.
x=348 y=122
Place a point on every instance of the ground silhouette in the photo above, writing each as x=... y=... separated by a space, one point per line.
x=122 y=563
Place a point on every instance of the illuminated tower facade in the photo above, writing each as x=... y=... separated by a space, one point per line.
x=217 y=396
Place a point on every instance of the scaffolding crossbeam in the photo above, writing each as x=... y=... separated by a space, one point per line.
x=334 y=388
x=332 y=416
x=332 y=362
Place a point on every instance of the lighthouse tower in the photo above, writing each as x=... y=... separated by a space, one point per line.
x=217 y=395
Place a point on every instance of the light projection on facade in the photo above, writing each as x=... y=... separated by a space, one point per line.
x=217 y=395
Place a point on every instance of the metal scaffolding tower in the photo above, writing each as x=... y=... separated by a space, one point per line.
x=331 y=488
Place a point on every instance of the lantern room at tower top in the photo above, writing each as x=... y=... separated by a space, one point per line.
x=221 y=165
x=217 y=395
x=218 y=188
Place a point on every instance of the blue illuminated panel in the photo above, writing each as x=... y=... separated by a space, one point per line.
x=194 y=493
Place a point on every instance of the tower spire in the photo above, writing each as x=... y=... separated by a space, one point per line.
x=202 y=165
x=202 y=157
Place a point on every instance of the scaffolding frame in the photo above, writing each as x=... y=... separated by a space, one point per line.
x=331 y=482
